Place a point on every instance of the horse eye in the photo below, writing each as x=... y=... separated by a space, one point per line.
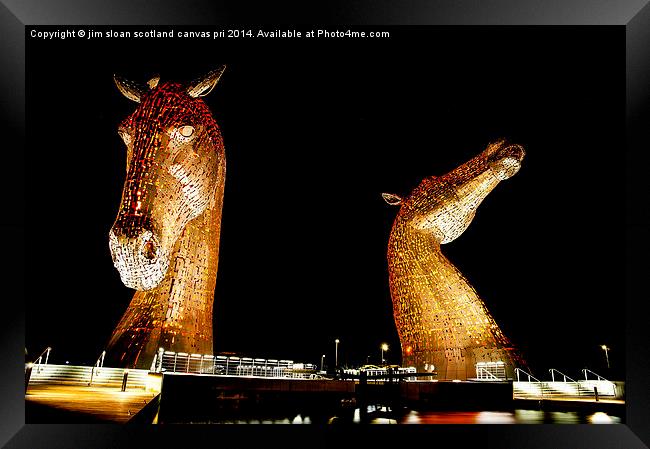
x=186 y=131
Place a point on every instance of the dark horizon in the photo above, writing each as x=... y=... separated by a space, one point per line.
x=314 y=134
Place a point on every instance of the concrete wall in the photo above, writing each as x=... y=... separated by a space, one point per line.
x=460 y=395
x=620 y=390
x=201 y=398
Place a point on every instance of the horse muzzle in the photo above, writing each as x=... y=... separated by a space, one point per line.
x=139 y=258
x=506 y=161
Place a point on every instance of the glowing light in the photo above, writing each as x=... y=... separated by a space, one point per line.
x=495 y=418
x=441 y=321
x=601 y=418
x=165 y=239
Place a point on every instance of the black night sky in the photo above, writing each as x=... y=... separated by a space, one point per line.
x=315 y=131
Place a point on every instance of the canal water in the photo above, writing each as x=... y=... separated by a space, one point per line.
x=499 y=417
x=382 y=415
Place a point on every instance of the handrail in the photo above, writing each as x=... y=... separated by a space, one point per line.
x=98 y=364
x=564 y=387
x=565 y=378
x=483 y=370
x=45 y=352
x=530 y=376
x=598 y=376
x=39 y=359
x=154 y=363
x=559 y=372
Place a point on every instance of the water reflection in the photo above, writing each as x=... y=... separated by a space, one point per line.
x=603 y=418
x=495 y=418
x=519 y=416
x=385 y=415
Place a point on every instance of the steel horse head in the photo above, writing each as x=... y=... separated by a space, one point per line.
x=173 y=152
x=165 y=239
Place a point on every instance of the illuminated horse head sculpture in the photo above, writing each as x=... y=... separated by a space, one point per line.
x=441 y=321
x=165 y=239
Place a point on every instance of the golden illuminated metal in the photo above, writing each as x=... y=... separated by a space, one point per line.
x=442 y=323
x=165 y=239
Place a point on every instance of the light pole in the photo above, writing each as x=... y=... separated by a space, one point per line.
x=322 y=359
x=606 y=349
x=384 y=347
x=336 y=354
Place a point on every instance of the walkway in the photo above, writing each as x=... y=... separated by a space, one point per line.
x=99 y=403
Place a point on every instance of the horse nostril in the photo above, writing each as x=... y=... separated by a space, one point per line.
x=149 y=250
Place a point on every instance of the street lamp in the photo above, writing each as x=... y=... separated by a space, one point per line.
x=606 y=349
x=336 y=354
x=322 y=359
x=384 y=347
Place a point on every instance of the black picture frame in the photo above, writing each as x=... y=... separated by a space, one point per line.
x=633 y=15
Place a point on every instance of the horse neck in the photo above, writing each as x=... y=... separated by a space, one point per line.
x=199 y=242
x=195 y=258
x=186 y=295
x=437 y=289
x=176 y=315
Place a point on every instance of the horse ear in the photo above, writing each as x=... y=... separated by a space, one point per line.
x=132 y=91
x=153 y=82
x=202 y=86
x=393 y=200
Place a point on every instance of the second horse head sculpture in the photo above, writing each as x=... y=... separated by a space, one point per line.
x=441 y=321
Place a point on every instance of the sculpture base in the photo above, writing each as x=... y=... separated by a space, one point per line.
x=482 y=363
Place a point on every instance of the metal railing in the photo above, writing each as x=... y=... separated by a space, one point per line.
x=38 y=363
x=181 y=362
x=598 y=377
x=491 y=371
x=96 y=367
x=530 y=376
x=565 y=377
x=600 y=386
x=382 y=374
x=530 y=387
x=79 y=375
x=484 y=374
x=565 y=389
x=567 y=386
